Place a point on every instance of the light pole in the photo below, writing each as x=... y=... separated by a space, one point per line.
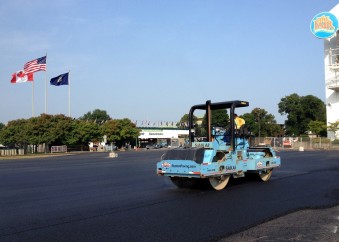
x=258 y=119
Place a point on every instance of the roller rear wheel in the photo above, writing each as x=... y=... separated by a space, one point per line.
x=219 y=183
x=265 y=176
x=178 y=181
x=184 y=182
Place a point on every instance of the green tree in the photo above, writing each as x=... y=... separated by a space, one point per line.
x=266 y=124
x=128 y=130
x=2 y=126
x=261 y=123
x=111 y=130
x=61 y=129
x=120 y=131
x=333 y=127
x=97 y=116
x=38 y=130
x=15 y=134
x=183 y=123
x=317 y=127
x=49 y=129
x=219 y=118
x=82 y=133
x=300 y=111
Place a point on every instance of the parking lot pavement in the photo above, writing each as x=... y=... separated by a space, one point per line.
x=304 y=225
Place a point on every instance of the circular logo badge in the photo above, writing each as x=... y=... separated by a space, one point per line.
x=324 y=25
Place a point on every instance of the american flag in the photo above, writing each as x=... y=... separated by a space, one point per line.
x=35 y=65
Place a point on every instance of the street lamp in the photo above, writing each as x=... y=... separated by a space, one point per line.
x=258 y=120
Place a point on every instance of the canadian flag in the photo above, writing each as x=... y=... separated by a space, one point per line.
x=21 y=76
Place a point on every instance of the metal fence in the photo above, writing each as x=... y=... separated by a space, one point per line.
x=297 y=142
x=61 y=148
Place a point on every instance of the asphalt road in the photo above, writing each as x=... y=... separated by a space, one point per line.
x=91 y=197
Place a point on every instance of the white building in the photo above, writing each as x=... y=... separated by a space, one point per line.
x=153 y=135
x=331 y=60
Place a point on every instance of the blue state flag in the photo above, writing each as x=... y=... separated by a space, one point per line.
x=60 y=80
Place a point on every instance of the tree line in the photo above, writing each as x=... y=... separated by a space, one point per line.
x=53 y=130
x=304 y=114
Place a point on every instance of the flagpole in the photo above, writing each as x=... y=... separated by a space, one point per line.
x=69 y=95
x=46 y=87
x=32 y=98
x=46 y=94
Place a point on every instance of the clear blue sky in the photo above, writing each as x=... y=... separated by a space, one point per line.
x=153 y=60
